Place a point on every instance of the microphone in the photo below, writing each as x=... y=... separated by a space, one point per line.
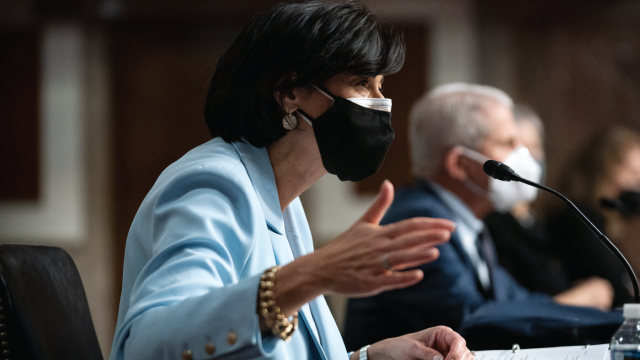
x=501 y=171
x=628 y=203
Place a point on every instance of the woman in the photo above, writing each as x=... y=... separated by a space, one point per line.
x=607 y=166
x=201 y=277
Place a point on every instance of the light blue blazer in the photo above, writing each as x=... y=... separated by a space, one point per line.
x=207 y=230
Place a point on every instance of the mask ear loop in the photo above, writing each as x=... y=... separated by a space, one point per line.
x=306 y=117
x=476 y=189
x=481 y=159
x=473 y=155
x=325 y=93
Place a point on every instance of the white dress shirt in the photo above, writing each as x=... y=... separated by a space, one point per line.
x=468 y=228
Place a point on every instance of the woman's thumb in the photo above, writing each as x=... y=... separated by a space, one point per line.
x=380 y=204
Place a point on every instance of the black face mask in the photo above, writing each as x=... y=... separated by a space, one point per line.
x=353 y=139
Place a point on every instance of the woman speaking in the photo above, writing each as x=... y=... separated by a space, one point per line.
x=219 y=260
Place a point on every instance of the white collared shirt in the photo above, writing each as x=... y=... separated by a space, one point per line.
x=468 y=229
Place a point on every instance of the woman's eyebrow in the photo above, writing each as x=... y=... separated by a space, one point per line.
x=359 y=77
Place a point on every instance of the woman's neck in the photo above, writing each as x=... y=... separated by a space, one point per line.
x=296 y=164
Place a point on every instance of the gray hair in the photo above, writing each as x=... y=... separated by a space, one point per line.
x=523 y=113
x=447 y=116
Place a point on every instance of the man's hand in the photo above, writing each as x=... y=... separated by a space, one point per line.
x=594 y=292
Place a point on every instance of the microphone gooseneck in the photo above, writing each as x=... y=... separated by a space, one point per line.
x=500 y=171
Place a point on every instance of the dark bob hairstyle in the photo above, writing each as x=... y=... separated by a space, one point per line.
x=293 y=45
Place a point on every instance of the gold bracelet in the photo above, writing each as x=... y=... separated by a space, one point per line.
x=269 y=309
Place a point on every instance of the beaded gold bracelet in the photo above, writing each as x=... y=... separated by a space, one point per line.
x=269 y=309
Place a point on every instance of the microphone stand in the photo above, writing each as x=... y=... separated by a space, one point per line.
x=609 y=245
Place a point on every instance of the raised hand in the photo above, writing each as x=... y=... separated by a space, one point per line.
x=365 y=259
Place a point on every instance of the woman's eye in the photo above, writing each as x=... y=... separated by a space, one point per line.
x=381 y=90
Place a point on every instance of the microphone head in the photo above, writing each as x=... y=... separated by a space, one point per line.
x=499 y=171
x=628 y=203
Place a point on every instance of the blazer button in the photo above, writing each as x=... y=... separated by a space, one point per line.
x=186 y=355
x=232 y=338
x=210 y=348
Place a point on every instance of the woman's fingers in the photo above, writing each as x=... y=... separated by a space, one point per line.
x=365 y=253
x=458 y=350
x=418 y=224
x=405 y=259
x=423 y=352
x=380 y=204
x=417 y=239
x=439 y=343
x=444 y=340
x=399 y=280
x=451 y=343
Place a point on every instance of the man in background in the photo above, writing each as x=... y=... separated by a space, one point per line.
x=523 y=246
x=454 y=129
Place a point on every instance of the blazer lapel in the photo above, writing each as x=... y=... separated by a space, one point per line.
x=296 y=248
x=258 y=165
x=283 y=255
x=455 y=239
x=457 y=244
x=333 y=344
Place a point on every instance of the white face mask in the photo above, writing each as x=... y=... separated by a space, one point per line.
x=505 y=194
x=383 y=104
x=373 y=103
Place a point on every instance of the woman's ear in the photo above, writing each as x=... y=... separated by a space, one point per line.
x=454 y=163
x=289 y=101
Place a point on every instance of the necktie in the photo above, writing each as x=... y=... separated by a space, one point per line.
x=487 y=252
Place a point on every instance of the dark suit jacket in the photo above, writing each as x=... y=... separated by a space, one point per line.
x=528 y=254
x=449 y=292
x=584 y=254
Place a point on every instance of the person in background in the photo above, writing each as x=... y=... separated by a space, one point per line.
x=523 y=246
x=607 y=166
x=454 y=129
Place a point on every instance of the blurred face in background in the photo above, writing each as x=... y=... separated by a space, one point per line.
x=500 y=141
x=502 y=138
x=531 y=139
x=626 y=176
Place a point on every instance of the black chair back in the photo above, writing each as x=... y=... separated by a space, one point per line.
x=44 y=314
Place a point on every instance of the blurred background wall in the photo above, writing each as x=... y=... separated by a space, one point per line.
x=97 y=97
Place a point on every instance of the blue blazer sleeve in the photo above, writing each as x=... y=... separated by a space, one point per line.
x=188 y=269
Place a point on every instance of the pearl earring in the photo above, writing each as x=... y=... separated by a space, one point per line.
x=289 y=121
